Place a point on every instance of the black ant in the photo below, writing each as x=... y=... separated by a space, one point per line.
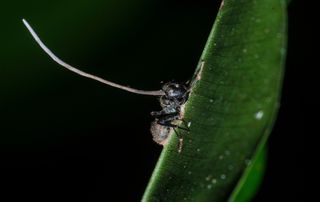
x=173 y=96
x=176 y=95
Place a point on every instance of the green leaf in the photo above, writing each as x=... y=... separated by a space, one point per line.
x=251 y=178
x=231 y=108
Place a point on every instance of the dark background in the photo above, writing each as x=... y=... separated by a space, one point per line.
x=64 y=137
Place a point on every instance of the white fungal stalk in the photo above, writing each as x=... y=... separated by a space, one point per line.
x=82 y=73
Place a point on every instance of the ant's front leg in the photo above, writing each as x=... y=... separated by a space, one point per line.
x=158 y=113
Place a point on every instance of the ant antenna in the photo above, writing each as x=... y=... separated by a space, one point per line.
x=82 y=73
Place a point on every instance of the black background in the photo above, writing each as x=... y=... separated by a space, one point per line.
x=63 y=137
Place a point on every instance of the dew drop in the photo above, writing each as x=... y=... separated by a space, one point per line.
x=211 y=100
x=208 y=177
x=214 y=181
x=223 y=176
x=189 y=124
x=258 y=115
x=230 y=167
x=198 y=150
x=209 y=186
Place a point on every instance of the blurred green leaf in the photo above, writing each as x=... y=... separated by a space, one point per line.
x=231 y=108
x=251 y=179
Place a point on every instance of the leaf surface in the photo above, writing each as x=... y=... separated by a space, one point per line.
x=231 y=108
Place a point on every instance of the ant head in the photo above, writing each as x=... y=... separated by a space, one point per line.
x=174 y=90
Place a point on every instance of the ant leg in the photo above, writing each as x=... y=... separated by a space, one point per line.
x=158 y=114
x=166 y=120
x=182 y=128
x=186 y=127
x=168 y=124
x=180 y=140
x=186 y=124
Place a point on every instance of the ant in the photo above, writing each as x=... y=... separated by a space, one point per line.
x=176 y=95
x=172 y=97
